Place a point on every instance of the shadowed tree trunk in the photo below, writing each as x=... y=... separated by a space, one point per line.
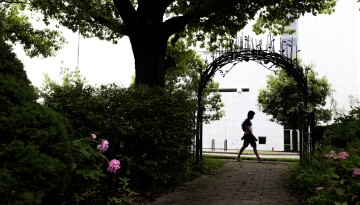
x=148 y=34
x=149 y=48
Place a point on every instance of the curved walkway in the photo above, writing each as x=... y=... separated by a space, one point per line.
x=238 y=183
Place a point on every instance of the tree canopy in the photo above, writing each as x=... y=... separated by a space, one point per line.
x=281 y=98
x=18 y=28
x=150 y=23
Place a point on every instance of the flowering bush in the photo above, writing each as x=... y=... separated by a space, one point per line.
x=114 y=165
x=150 y=128
x=356 y=171
x=333 y=155
x=103 y=146
x=90 y=180
x=332 y=176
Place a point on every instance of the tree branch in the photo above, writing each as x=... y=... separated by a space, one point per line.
x=177 y=24
x=167 y=3
x=13 y=2
x=116 y=28
x=126 y=10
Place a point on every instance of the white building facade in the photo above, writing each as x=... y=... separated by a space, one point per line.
x=330 y=42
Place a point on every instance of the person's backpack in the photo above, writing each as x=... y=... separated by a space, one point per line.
x=243 y=126
x=247 y=121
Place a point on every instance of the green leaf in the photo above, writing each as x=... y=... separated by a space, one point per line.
x=84 y=151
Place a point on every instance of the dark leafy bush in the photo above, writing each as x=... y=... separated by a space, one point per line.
x=35 y=157
x=159 y=139
x=75 y=101
x=91 y=182
x=150 y=129
x=345 y=130
x=332 y=175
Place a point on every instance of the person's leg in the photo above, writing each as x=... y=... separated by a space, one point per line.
x=256 y=153
x=253 y=144
x=246 y=143
x=241 y=151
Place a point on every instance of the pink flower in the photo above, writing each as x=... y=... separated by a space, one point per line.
x=114 y=165
x=103 y=146
x=333 y=155
x=319 y=188
x=342 y=155
x=356 y=171
x=93 y=136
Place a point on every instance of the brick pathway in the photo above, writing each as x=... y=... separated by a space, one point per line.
x=238 y=183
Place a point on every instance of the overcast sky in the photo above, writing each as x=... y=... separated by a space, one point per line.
x=100 y=62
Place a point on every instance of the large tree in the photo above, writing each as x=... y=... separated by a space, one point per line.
x=281 y=98
x=150 y=23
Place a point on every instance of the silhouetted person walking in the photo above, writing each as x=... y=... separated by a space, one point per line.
x=249 y=137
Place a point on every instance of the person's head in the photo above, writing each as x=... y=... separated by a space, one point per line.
x=251 y=114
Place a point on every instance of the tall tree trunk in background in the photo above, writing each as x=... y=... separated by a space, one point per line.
x=148 y=37
x=149 y=48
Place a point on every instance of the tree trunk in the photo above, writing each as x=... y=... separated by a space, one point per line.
x=149 y=47
x=148 y=34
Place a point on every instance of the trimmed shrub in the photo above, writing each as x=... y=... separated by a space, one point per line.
x=158 y=137
x=150 y=129
x=35 y=157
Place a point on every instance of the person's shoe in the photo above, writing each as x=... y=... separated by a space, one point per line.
x=260 y=160
x=238 y=160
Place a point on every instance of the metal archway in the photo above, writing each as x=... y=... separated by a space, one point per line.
x=263 y=57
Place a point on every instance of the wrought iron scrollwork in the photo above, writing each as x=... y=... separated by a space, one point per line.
x=247 y=49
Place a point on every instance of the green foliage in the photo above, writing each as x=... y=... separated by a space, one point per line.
x=327 y=181
x=281 y=98
x=35 y=153
x=35 y=142
x=61 y=97
x=281 y=13
x=15 y=86
x=88 y=171
x=327 y=178
x=345 y=130
x=90 y=180
x=150 y=24
x=184 y=67
x=159 y=139
x=124 y=194
x=200 y=21
x=150 y=129
x=19 y=29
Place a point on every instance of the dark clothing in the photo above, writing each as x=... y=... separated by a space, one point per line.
x=248 y=139
x=246 y=122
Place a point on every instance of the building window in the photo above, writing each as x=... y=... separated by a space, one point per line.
x=262 y=140
x=223 y=90
x=245 y=89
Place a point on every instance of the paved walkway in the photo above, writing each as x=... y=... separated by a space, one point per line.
x=238 y=183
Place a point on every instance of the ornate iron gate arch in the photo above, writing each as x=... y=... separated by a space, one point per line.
x=246 y=52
